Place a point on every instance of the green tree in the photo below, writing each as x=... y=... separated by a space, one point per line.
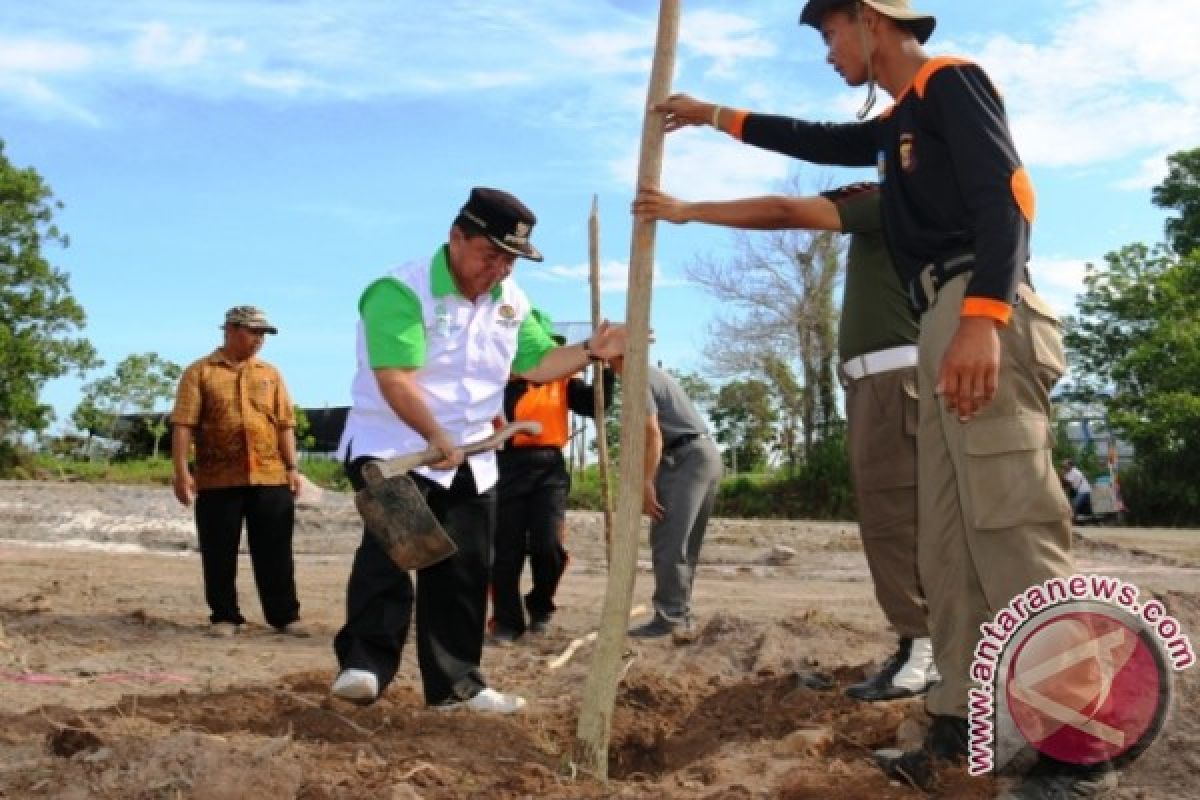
x=139 y=384
x=744 y=418
x=777 y=296
x=698 y=390
x=1135 y=347
x=304 y=436
x=1180 y=191
x=791 y=401
x=38 y=316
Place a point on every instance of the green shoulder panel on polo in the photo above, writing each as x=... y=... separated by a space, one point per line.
x=393 y=324
x=532 y=345
x=875 y=311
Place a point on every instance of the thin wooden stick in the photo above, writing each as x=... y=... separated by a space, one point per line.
x=600 y=417
x=600 y=691
x=565 y=656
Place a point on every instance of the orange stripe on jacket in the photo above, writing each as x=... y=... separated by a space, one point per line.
x=1022 y=189
x=986 y=307
x=737 y=122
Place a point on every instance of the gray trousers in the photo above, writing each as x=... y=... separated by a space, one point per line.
x=686 y=483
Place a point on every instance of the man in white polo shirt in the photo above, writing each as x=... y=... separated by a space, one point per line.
x=437 y=341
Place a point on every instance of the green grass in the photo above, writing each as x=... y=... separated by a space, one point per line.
x=326 y=473
x=822 y=491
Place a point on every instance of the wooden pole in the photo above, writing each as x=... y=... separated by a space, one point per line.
x=598 y=379
x=600 y=691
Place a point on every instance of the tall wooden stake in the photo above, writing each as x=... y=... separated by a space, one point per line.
x=598 y=379
x=600 y=691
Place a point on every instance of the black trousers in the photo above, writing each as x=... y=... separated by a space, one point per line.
x=451 y=596
x=533 y=488
x=269 y=514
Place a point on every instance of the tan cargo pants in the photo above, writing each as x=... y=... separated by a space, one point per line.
x=993 y=518
x=881 y=414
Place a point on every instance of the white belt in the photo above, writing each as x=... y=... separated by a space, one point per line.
x=880 y=361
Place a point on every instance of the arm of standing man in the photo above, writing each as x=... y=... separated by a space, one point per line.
x=968 y=113
x=772 y=212
x=182 y=481
x=285 y=435
x=184 y=417
x=287 y=451
x=606 y=342
x=399 y=388
x=653 y=456
x=394 y=329
x=851 y=144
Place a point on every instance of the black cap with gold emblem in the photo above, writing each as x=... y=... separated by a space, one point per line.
x=504 y=219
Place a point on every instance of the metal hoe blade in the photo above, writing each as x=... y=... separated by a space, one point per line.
x=396 y=513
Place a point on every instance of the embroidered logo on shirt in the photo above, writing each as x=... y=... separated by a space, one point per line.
x=908 y=159
x=507 y=312
x=441 y=320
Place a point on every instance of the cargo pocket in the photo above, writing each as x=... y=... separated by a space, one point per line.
x=1045 y=333
x=1010 y=472
x=889 y=457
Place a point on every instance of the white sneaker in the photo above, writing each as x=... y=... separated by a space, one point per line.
x=357 y=686
x=918 y=672
x=489 y=701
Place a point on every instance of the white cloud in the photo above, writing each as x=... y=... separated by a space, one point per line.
x=159 y=46
x=1059 y=281
x=1151 y=172
x=703 y=165
x=1118 y=79
x=35 y=96
x=40 y=56
x=287 y=82
x=727 y=39
x=614 y=276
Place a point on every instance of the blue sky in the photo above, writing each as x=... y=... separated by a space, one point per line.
x=217 y=152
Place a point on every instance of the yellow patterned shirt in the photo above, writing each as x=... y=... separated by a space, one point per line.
x=236 y=413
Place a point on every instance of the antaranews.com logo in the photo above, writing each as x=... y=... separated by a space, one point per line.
x=1077 y=669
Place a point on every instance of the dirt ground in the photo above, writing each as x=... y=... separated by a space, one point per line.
x=110 y=687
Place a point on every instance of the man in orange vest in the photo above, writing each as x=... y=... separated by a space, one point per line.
x=533 y=488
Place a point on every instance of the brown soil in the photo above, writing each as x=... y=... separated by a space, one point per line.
x=110 y=687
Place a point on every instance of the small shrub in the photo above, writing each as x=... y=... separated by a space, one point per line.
x=328 y=473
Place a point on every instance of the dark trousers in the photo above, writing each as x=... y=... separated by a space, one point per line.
x=269 y=513
x=451 y=596
x=533 y=489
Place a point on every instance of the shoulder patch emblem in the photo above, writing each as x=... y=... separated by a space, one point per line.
x=908 y=159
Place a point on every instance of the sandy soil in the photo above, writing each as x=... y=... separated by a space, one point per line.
x=110 y=688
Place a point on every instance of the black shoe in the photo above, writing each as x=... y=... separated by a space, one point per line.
x=1052 y=780
x=907 y=672
x=945 y=742
x=539 y=623
x=656 y=627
